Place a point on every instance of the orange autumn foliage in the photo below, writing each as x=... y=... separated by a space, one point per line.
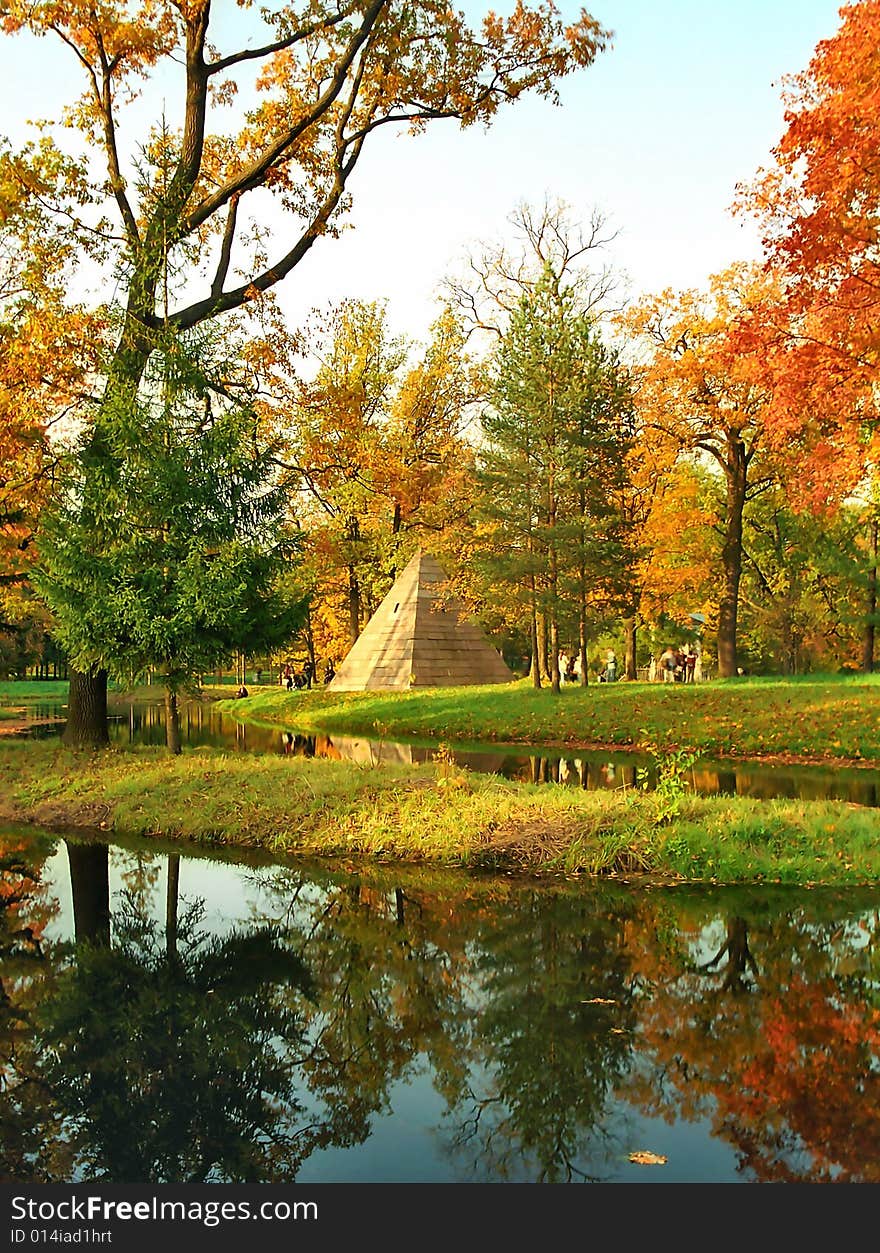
x=819 y=205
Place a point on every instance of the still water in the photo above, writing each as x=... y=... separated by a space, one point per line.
x=189 y=1018
x=202 y=724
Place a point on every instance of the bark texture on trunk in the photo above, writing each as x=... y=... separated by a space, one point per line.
x=869 y=631
x=555 y=681
x=544 y=647
x=354 y=605
x=535 y=669
x=86 y=725
x=629 y=635
x=731 y=557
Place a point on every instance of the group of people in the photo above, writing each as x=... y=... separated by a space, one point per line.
x=306 y=677
x=570 y=668
x=677 y=665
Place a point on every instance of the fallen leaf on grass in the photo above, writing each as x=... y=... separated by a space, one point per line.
x=643 y=1158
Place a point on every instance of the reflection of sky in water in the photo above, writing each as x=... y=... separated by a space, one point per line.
x=233 y=895
x=524 y=968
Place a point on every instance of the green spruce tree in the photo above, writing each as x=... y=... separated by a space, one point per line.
x=552 y=466
x=166 y=546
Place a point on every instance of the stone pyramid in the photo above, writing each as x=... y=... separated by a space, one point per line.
x=418 y=639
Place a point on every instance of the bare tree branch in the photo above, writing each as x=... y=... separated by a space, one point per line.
x=253 y=175
x=254 y=54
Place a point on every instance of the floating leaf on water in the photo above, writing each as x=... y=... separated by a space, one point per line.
x=643 y=1158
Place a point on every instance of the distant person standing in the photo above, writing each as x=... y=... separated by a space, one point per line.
x=698 y=663
x=667 y=665
x=690 y=662
x=611 y=666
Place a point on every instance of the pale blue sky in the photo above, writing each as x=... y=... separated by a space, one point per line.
x=656 y=134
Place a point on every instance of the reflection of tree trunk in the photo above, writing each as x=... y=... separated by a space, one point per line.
x=90 y=888
x=739 y=956
x=86 y=725
x=172 y=719
x=869 y=630
x=398 y=904
x=727 y=782
x=171 y=906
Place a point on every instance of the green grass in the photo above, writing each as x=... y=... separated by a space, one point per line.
x=24 y=691
x=435 y=814
x=821 y=718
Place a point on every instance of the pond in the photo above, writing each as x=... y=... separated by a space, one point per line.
x=170 y=1017
x=203 y=724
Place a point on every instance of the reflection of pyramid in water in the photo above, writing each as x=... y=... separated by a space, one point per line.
x=414 y=641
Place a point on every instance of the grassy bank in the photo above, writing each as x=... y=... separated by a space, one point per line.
x=818 y=719
x=436 y=814
x=26 y=691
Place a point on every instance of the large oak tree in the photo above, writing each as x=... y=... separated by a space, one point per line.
x=182 y=214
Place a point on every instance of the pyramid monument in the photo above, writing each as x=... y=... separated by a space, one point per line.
x=419 y=637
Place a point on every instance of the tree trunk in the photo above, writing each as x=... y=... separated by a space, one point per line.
x=869 y=630
x=535 y=670
x=90 y=889
x=354 y=605
x=86 y=725
x=582 y=622
x=172 y=719
x=554 y=655
x=543 y=648
x=731 y=558
x=310 y=647
x=629 y=635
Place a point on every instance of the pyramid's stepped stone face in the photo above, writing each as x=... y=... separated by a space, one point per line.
x=412 y=641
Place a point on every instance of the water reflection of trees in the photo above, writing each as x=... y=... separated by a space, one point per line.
x=176 y=1061
x=776 y=1040
x=553 y=1039
x=27 y=1117
x=155 y=1049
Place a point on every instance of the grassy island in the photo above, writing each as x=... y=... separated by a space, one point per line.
x=813 y=719
x=435 y=813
